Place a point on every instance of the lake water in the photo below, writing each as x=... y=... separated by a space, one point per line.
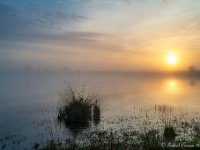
x=26 y=100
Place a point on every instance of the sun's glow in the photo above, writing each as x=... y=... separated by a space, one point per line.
x=172 y=84
x=171 y=59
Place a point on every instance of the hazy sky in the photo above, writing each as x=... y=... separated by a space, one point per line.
x=99 y=34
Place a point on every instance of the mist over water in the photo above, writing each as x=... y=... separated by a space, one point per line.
x=141 y=57
x=27 y=99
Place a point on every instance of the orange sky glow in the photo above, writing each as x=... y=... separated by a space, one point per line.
x=133 y=35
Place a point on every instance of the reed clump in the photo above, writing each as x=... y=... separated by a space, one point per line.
x=78 y=108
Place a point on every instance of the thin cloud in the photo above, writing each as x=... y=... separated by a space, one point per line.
x=17 y=23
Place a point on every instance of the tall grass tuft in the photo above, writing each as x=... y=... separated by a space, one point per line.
x=78 y=108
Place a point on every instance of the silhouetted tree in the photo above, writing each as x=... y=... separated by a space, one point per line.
x=192 y=68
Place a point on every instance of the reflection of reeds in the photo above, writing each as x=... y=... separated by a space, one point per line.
x=156 y=127
x=76 y=109
x=163 y=109
x=96 y=113
x=139 y=131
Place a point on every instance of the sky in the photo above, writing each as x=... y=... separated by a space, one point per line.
x=100 y=35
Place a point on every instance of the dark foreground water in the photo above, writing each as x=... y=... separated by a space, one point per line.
x=28 y=103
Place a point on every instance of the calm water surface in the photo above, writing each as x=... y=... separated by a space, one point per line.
x=25 y=100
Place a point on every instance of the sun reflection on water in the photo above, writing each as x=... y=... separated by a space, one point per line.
x=172 y=86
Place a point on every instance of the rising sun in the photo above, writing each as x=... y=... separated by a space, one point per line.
x=171 y=59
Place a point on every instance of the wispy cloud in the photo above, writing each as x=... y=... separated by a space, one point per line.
x=32 y=22
x=125 y=32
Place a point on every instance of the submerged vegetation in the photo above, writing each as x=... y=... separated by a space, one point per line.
x=124 y=139
x=81 y=113
x=169 y=134
x=158 y=127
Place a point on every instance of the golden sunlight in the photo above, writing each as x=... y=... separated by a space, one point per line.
x=171 y=59
x=171 y=85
